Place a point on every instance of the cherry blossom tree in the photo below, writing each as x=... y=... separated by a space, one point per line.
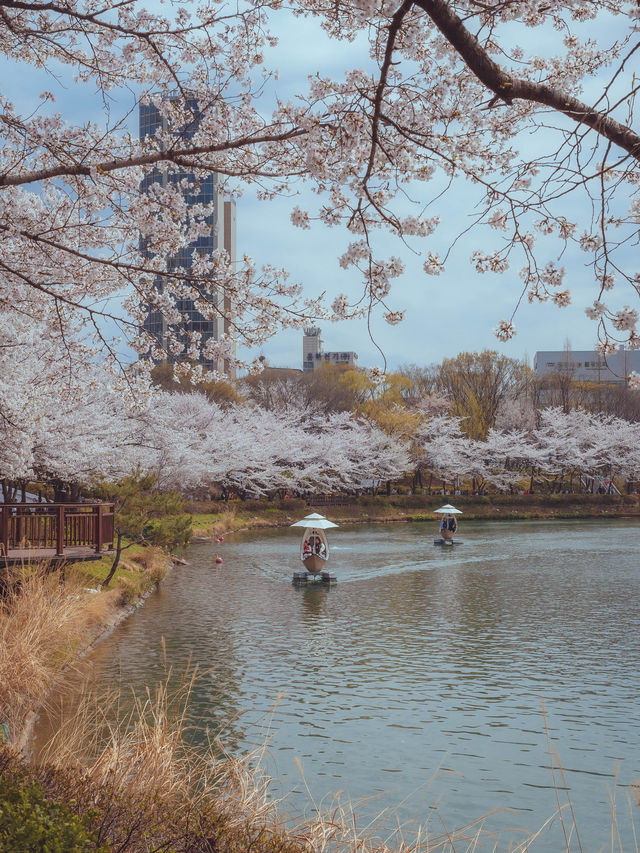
x=442 y=449
x=588 y=445
x=64 y=419
x=513 y=457
x=192 y=442
x=451 y=92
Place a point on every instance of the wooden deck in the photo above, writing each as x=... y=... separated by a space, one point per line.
x=55 y=532
x=73 y=554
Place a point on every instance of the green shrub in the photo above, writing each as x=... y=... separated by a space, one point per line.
x=30 y=822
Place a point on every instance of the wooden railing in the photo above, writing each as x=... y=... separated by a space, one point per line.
x=55 y=526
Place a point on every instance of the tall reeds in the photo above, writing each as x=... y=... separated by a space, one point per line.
x=43 y=624
x=152 y=789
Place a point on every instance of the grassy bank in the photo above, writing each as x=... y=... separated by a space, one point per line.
x=48 y=619
x=212 y=519
x=142 y=787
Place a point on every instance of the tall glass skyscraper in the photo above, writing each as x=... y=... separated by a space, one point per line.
x=221 y=235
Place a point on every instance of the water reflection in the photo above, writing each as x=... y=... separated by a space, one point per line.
x=423 y=672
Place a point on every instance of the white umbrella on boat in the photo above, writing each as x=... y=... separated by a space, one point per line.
x=319 y=522
x=447 y=509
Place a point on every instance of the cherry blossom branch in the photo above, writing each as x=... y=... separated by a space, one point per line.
x=394 y=26
x=508 y=88
x=178 y=156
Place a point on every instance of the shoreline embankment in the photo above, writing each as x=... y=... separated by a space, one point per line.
x=47 y=626
x=215 y=518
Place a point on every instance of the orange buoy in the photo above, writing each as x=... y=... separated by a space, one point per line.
x=218 y=559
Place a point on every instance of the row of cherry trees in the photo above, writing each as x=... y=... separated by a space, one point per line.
x=572 y=449
x=64 y=426
x=73 y=427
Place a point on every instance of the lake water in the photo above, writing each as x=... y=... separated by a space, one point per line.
x=427 y=681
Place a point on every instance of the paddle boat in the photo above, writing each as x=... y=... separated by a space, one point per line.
x=314 y=548
x=448 y=525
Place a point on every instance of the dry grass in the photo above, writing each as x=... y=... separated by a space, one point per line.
x=150 y=788
x=153 y=790
x=43 y=626
x=219 y=525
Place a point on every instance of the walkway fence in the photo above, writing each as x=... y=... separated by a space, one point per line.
x=40 y=527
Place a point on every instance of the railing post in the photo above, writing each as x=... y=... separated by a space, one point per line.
x=4 y=529
x=98 y=539
x=60 y=537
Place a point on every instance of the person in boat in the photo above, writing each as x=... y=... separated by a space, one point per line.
x=443 y=524
x=306 y=549
x=452 y=524
x=321 y=550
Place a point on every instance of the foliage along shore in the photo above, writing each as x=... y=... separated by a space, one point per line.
x=212 y=519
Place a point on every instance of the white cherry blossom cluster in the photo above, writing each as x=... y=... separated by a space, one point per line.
x=596 y=311
x=300 y=218
x=625 y=320
x=495 y=262
x=433 y=265
x=505 y=330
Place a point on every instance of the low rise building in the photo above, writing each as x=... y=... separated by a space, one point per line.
x=588 y=365
x=314 y=357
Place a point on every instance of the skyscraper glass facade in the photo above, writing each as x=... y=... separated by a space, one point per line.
x=204 y=192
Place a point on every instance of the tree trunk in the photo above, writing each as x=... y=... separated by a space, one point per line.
x=116 y=561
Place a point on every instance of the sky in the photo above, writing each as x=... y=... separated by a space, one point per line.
x=454 y=312
x=445 y=315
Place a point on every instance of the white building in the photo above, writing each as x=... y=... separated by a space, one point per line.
x=588 y=365
x=313 y=356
